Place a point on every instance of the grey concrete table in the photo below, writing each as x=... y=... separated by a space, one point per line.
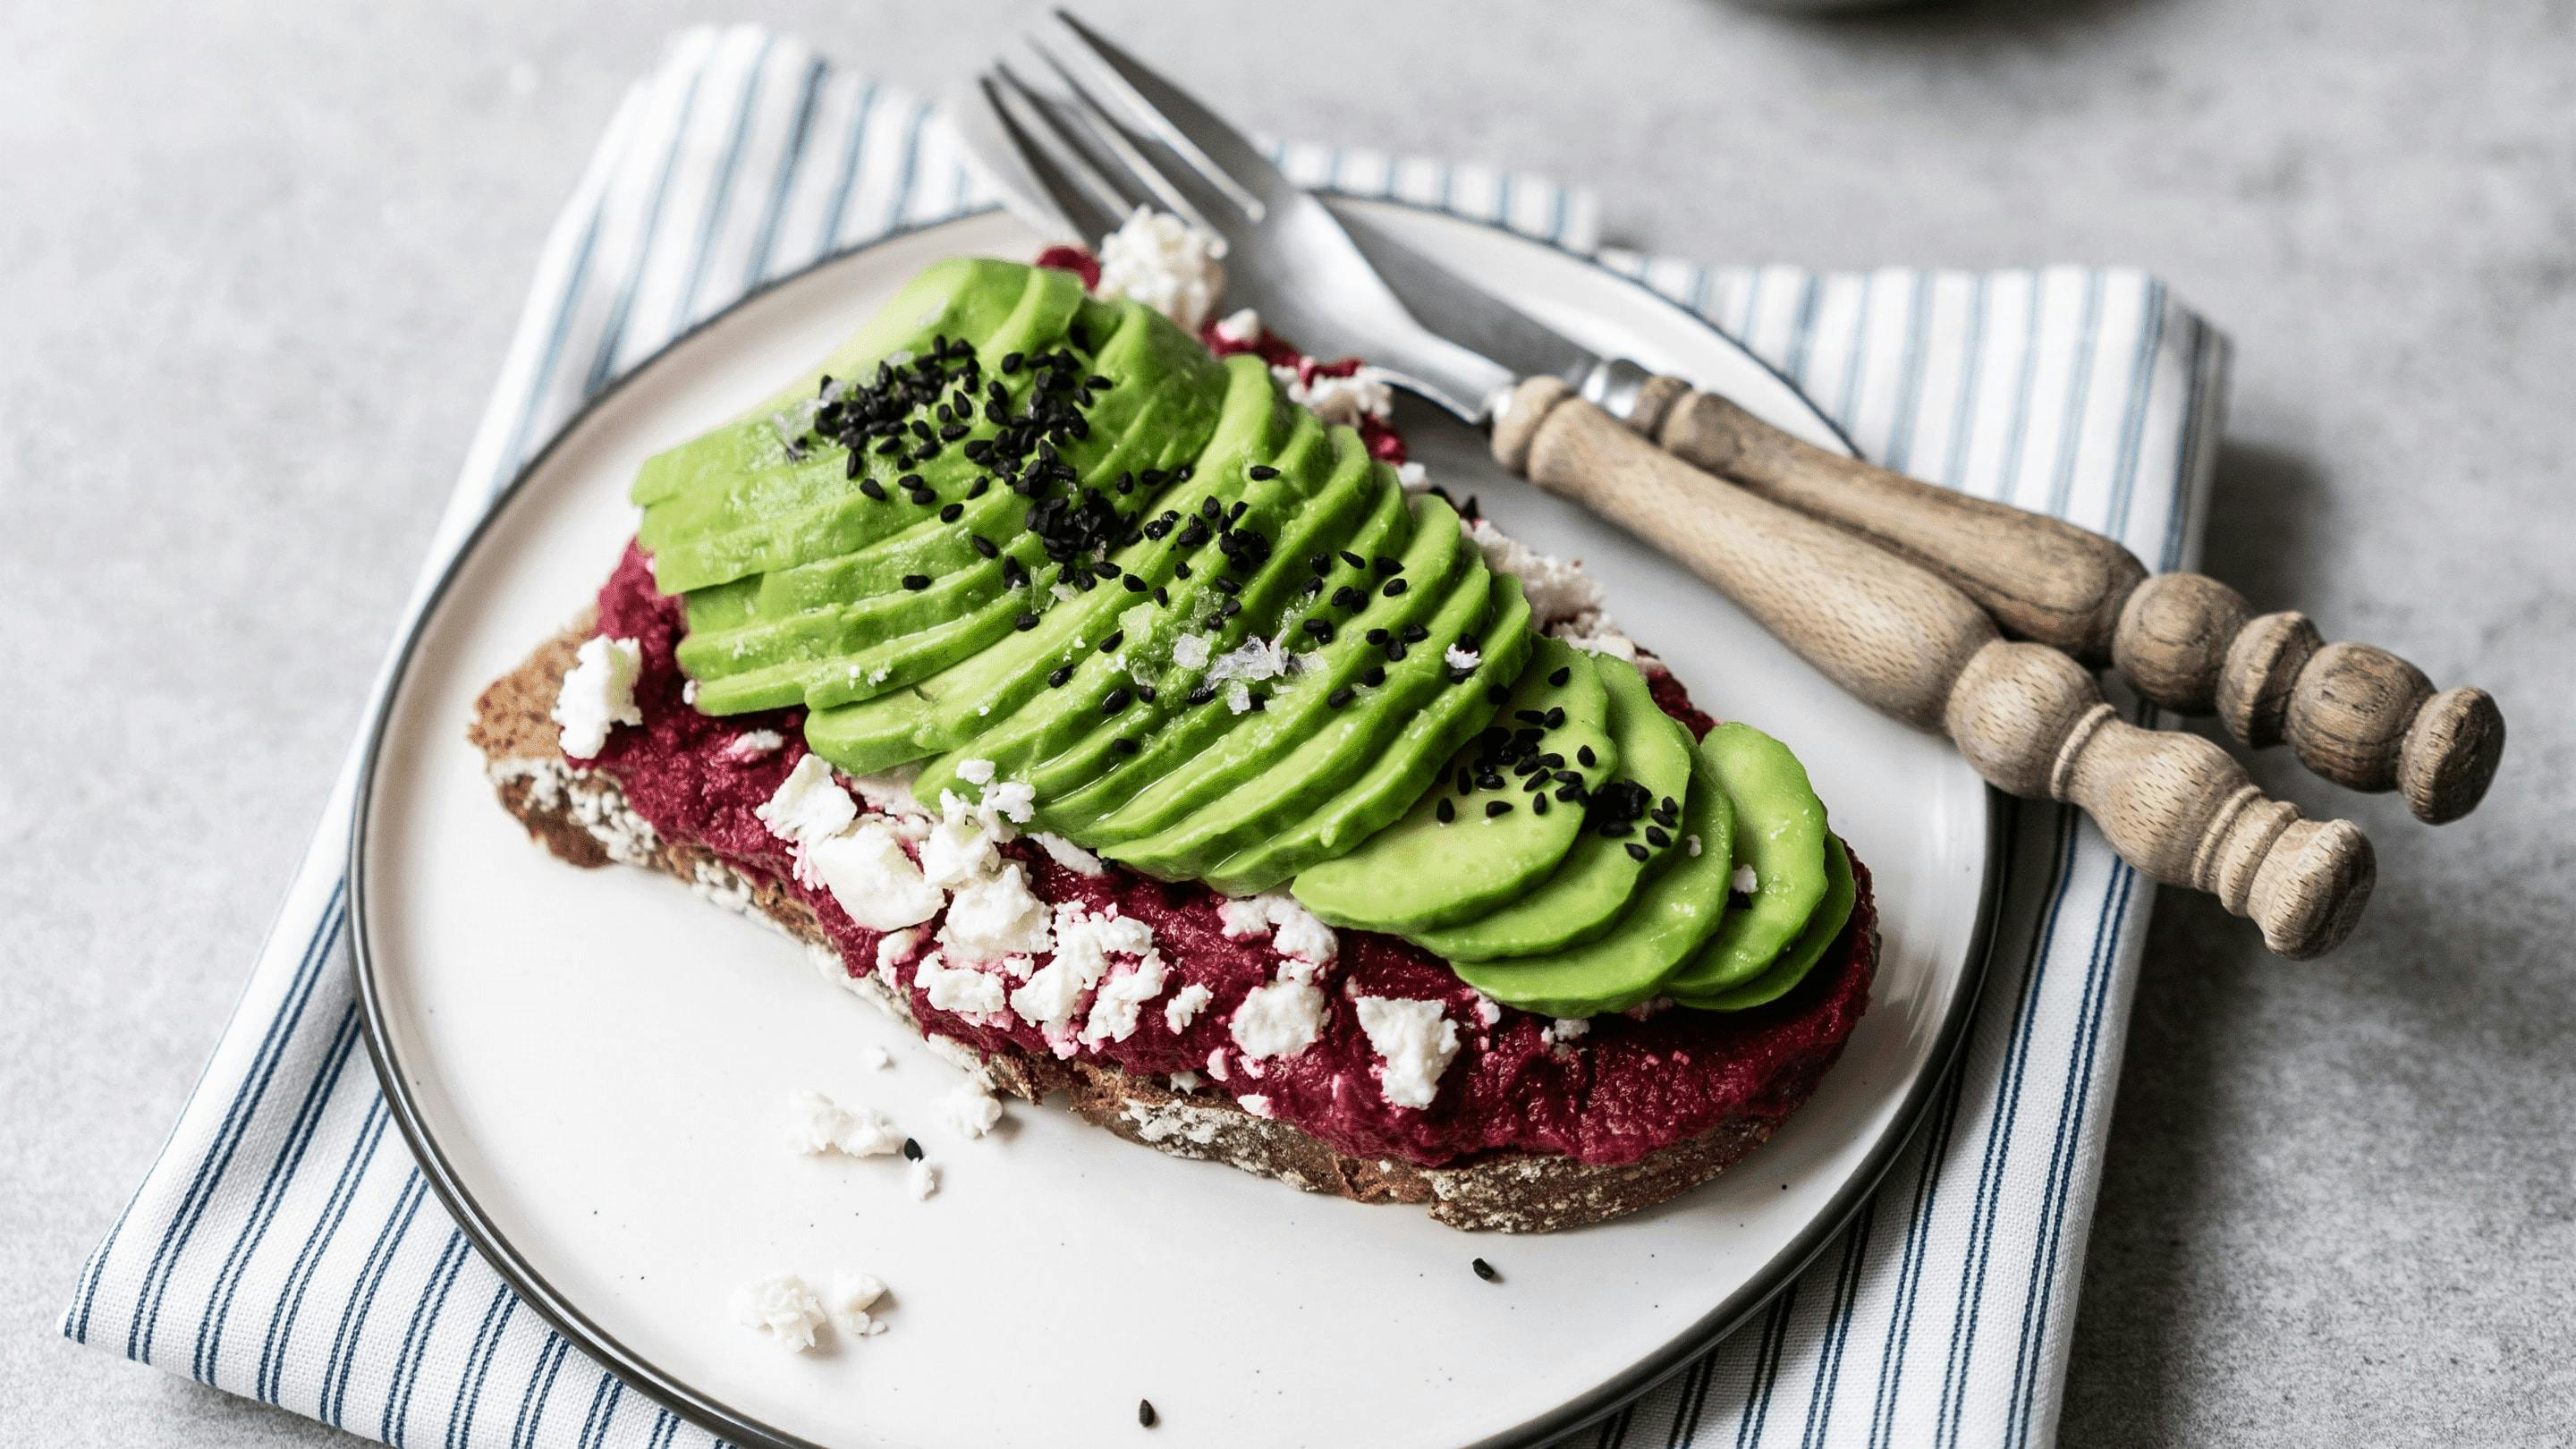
x=255 y=278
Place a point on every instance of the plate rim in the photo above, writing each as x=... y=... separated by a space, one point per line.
x=715 y=1416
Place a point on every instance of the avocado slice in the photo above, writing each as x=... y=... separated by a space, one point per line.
x=1667 y=920
x=1073 y=809
x=1311 y=765
x=1780 y=832
x=1402 y=772
x=1296 y=704
x=1590 y=891
x=1823 y=929
x=1478 y=838
x=1359 y=491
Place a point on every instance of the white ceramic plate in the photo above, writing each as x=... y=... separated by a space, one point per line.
x=593 y=1065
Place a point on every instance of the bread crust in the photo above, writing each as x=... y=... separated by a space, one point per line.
x=563 y=807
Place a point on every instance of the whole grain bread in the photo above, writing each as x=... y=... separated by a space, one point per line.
x=580 y=816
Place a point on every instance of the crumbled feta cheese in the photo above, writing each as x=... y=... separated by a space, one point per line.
x=816 y=1125
x=995 y=917
x=1185 y=1081
x=783 y=1307
x=1488 y=1010
x=959 y=850
x=1743 y=880
x=867 y=871
x=1462 y=657
x=1593 y=635
x=875 y=1058
x=961 y=989
x=1184 y=1006
x=1216 y=1064
x=1295 y=931
x=1416 y=1039
x=1693 y=842
x=922 y=1180
x=1084 y=942
x=1412 y=477
x=896 y=947
x=975 y=772
x=890 y=793
x=972 y=1109
x=598 y=693
x=1566 y=1028
x=848 y=1301
x=754 y=745
x=1556 y=588
x=1069 y=855
x=1255 y=1103
x=1278 y=1020
x=809 y=805
x=1243 y=326
x=689 y=693
x=1122 y=997
x=1343 y=401
x=1164 y=262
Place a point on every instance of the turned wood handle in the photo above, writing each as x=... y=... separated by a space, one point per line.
x=2029 y=718
x=2358 y=715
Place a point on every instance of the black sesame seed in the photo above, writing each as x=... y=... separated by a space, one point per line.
x=1658 y=837
x=1387 y=565
x=1060 y=678
x=1538 y=805
x=1495 y=808
x=1354 y=560
x=1393 y=588
x=1321 y=629
x=1561 y=676
x=1182 y=568
x=1497 y=693
x=1445 y=810
x=1556 y=718
x=1347 y=597
x=1586 y=757
x=1210 y=509
x=1261 y=472
x=952 y=512
x=872 y=488
x=1145 y=1413
x=1123 y=745
x=1115 y=700
x=916 y=582
x=1373 y=676
x=1375 y=636
x=1484 y=1270
x=1637 y=852
x=984 y=546
x=1116 y=638
x=1162 y=595
x=1011 y=361
x=1203 y=694
x=1398 y=650
x=1339 y=697
x=1413 y=633
x=1135 y=585
x=911 y=1150
x=1025 y=622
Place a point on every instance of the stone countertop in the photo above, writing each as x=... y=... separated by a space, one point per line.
x=255 y=281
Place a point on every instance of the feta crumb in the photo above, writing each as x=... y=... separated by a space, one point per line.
x=754 y=745
x=850 y=1298
x=890 y=793
x=1693 y=842
x=1255 y=1103
x=1184 y=1006
x=961 y=989
x=689 y=693
x=867 y=871
x=809 y=805
x=1488 y=1010
x=995 y=917
x=598 y=694
x=816 y=1125
x=1084 y=942
x=1566 y=1028
x=1216 y=1064
x=1164 y=262
x=972 y=1109
x=1417 y=1041
x=1278 y=1020
x=1743 y=880
x=1295 y=931
x=896 y=947
x=1462 y=657
x=783 y=1307
x=1413 y=477
x=1185 y=1081
x=1242 y=326
x=1343 y=401
x=975 y=772
x=922 y=1180
x=1013 y=800
x=1591 y=634
x=875 y=1058
x=1069 y=855
x=1556 y=588
x=1122 y=999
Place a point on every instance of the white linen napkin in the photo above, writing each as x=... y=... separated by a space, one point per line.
x=284 y=1247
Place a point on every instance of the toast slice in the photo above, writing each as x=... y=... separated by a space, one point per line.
x=581 y=814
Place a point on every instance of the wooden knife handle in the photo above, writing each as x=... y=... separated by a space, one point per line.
x=2027 y=717
x=2358 y=715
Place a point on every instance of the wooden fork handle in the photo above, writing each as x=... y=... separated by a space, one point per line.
x=1900 y=637
x=2358 y=715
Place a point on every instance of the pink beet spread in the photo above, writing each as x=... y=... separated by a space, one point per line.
x=1623 y=1090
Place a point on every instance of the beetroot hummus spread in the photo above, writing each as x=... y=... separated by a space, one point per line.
x=1621 y=1089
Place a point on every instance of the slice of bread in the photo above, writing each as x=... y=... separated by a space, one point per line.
x=582 y=817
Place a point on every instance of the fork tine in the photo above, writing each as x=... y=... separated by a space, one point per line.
x=1088 y=200
x=1166 y=183
x=1215 y=150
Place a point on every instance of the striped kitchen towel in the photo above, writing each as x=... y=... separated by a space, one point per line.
x=284 y=1246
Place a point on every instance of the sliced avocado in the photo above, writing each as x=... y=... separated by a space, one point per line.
x=1823 y=929
x=1588 y=893
x=1099 y=687
x=1460 y=852
x=1074 y=811
x=1336 y=653
x=1249 y=604
x=1335 y=749
x=1402 y=772
x=1667 y=920
x=1780 y=832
